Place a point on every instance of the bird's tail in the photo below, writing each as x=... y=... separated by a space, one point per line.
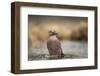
x=62 y=55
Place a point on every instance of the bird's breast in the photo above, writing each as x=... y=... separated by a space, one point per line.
x=53 y=43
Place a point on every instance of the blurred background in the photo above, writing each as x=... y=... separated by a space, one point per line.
x=72 y=31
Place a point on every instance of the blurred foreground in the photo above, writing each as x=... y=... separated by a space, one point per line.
x=71 y=49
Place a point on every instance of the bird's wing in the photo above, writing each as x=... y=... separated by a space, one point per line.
x=59 y=47
x=58 y=44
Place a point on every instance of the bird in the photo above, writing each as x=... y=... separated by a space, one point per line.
x=54 y=46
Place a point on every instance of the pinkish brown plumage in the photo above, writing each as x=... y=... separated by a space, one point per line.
x=54 y=46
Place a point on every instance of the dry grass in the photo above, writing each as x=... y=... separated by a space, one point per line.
x=40 y=33
x=80 y=33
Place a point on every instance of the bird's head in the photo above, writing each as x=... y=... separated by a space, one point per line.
x=52 y=33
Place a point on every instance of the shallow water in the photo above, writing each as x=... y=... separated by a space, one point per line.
x=71 y=49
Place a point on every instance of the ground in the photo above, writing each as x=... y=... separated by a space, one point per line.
x=71 y=49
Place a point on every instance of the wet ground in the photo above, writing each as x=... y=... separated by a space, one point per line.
x=71 y=50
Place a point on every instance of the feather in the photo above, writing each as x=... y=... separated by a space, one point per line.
x=54 y=46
